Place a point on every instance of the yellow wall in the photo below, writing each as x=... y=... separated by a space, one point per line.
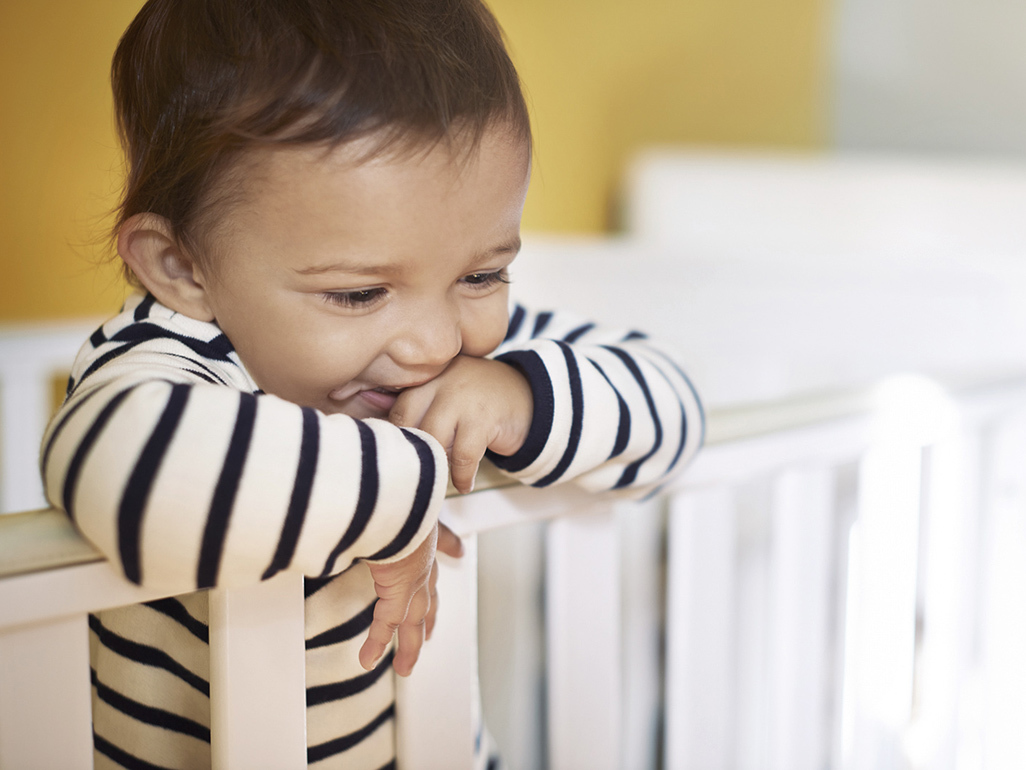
x=603 y=77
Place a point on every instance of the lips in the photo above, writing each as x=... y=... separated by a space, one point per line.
x=380 y=398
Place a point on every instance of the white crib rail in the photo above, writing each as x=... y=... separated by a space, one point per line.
x=818 y=612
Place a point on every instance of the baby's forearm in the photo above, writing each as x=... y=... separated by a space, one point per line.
x=611 y=410
x=188 y=485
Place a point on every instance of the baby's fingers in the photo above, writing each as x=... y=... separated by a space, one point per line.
x=429 y=621
x=468 y=447
x=410 y=407
x=412 y=633
x=389 y=614
x=379 y=636
x=449 y=543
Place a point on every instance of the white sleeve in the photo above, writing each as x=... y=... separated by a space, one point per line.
x=186 y=484
x=612 y=411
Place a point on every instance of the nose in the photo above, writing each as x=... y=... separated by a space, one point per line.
x=431 y=335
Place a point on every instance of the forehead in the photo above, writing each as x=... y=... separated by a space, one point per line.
x=447 y=158
x=259 y=170
x=352 y=200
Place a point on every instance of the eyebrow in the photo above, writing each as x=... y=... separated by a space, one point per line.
x=509 y=247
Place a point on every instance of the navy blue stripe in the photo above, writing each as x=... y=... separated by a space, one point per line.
x=106 y=358
x=530 y=364
x=312 y=585
x=635 y=336
x=216 y=349
x=149 y=714
x=212 y=548
x=175 y=610
x=346 y=742
x=309 y=449
x=142 y=310
x=44 y=460
x=515 y=322
x=344 y=631
x=683 y=429
x=140 y=483
x=694 y=394
x=623 y=430
x=367 y=499
x=211 y=375
x=421 y=499
x=630 y=473
x=541 y=322
x=146 y=655
x=122 y=757
x=576 y=417
x=98 y=337
x=82 y=451
x=577 y=333
x=327 y=693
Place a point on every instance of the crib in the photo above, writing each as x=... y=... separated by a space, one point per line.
x=838 y=581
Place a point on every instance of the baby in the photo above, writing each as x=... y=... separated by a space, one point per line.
x=322 y=206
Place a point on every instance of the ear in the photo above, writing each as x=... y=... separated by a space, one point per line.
x=147 y=244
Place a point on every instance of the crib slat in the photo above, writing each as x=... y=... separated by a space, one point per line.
x=949 y=609
x=443 y=688
x=583 y=642
x=1003 y=611
x=258 y=676
x=700 y=632
x=800 y=638
x=881 y=617
x=45 y=696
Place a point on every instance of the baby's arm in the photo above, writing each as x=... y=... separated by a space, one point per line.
x=613 y=411
x=608 y=409
x=189 y=485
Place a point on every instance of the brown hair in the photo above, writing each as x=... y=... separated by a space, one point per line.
x=198 y=81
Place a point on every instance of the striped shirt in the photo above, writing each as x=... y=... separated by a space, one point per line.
x=171 y=462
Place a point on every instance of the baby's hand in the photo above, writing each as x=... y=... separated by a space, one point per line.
x=407 y=601
x=474 y=405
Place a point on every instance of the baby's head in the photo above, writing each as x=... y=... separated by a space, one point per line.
x=337 y=184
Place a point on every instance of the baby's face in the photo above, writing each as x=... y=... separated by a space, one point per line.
x=342 y=282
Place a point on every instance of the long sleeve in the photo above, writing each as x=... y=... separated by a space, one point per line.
x=186 y=483
x=612 y=410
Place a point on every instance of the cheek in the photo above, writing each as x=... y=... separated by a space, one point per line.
x=485 y=327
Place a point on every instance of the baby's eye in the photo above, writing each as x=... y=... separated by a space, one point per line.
x=360 y=298
x=484 y=280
